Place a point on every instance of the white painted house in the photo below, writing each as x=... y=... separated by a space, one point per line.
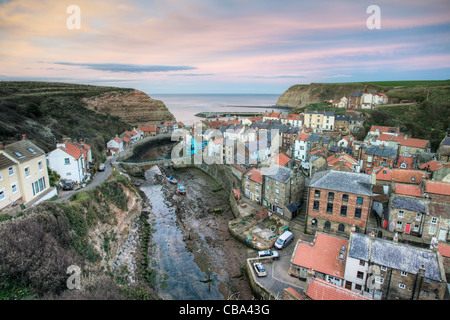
x=301 y=147
x=69 y=161
x=115 y=146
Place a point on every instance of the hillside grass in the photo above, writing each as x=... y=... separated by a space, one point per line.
x=46 y=111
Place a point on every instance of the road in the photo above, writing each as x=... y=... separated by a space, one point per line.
x=277 y=278
x=99 y=177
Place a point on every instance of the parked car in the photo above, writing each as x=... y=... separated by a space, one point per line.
x=101 y=167
x=68 y=185
x=268 y=253
x=259 y=268
x=284 y=240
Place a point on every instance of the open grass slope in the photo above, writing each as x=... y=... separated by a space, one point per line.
x=46 y=111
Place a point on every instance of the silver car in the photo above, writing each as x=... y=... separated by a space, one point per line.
x=268 y=253
x=259 y=268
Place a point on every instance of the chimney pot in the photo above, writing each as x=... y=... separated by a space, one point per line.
x=24 y=136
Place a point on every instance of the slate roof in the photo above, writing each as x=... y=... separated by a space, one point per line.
x=5 y=162
x=23 y=150
x=281 y=174
x=356 y=183
x=398 y=256
x=386 y=152
x=408 y=204
x=446 y=141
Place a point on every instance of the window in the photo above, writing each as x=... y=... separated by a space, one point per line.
x=399 y=224
x=277 y=191
x=2 y=194
x=404 y=274
x=316 y=206
x=27 y=172
x=330 y=196
x=359 y=200
x=360 y=275
x=40 y=165
x=401 y=213
x=314 y=222
x=434 y=220
x=345 y=198
x=38 y=186
x=362 y=263
x=317 y=193
x=327 y=225
x=1 y=176
x=66 y=161
x=280 y=210
x=358 y=213
x=276 y=201
x=31 y=150
x=11 y=171
x=383 y=268
x=344 y=211
x=432 y=230
x=329 y=208
x=18 y=154
x=358 y=287
x=341 y=227
x=14 y=188
x=418 y=217
x=401 y=286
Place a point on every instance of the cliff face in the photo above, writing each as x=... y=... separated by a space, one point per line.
x=133 y=107
x=303 y=95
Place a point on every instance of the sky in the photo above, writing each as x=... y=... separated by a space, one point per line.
x=223 y=46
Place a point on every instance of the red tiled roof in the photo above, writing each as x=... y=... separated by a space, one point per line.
x=409 y=161
x=412 y=142
x=408 y=176
x=294 y=116
x=319 y=289
x=408 y=189
x=434 y=165
x=444 y=250
x=282 y=159
x=384 y=174
x=385 y=129
x=437 y=187
x=322 y=256
x=255 y=175
x=303 y=136
x=126 y=139
x=71 y=149
x=385 y=137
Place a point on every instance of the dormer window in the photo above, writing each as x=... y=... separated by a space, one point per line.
x=31 y=150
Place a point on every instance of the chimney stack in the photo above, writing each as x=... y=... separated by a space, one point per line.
x=24 y=136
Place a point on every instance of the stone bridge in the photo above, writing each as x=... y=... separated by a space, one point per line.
x=176 y=161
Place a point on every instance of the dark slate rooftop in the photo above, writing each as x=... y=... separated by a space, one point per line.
x=398 y=256
x=23 y=150
x=5 y=162
x=408 y=204
x=446 y=141
x=388 y=152
x=278 y=173
x=351 y=182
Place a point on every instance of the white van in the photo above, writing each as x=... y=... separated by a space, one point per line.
x=284 y=240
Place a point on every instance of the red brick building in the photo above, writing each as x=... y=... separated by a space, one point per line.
x=338 y=201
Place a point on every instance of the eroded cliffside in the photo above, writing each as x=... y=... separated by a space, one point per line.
x=133 y=107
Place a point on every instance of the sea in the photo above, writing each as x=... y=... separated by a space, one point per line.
x=185 y=106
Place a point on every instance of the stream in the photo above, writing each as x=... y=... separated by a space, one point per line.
x=178 y=277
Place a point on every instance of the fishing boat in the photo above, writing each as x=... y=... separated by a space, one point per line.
x=172 y=180
x=181 y=189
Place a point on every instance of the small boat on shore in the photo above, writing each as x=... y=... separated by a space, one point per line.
x=172 y=180
x=181 y=189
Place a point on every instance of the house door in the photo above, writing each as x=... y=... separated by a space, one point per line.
x=348 y=285
x=251 y=196
x=408 y=228
x=442 y=234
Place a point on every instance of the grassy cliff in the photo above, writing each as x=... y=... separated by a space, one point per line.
x=46 y=111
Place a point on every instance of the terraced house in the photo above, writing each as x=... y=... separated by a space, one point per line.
x=388 y=270
x=283 y=187
x=24 y=173
x=339 y=201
